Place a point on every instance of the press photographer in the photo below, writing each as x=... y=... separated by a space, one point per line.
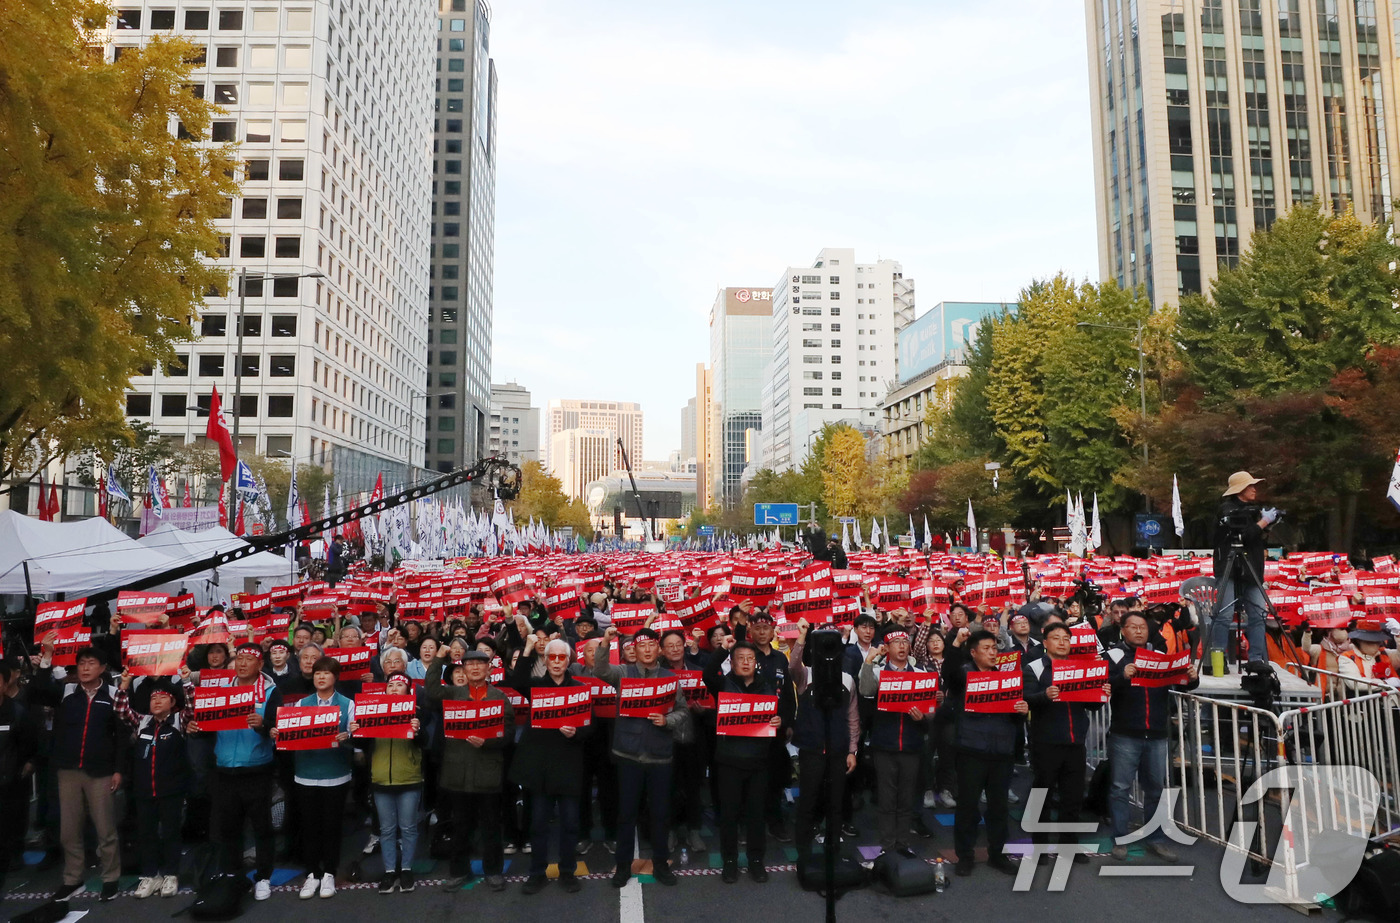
x=1240 y=524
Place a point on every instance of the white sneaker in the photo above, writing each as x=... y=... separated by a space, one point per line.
x=930 y=799
x=262 y=890
x=328 y=885
x=371 y=846
x=146 y=887
x=1012 y=797
x=308 y=890
x=946 y=797
x=170 y=886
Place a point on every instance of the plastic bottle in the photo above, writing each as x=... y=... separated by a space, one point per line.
x=940 y=876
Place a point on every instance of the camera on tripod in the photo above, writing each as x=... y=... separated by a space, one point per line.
x=1238 y=521
x=1090 y=598
x=1261 y=684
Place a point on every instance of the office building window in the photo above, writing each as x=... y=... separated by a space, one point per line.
x=213 y=325
x=280 y=405
x=138 y=405
x=173 y=405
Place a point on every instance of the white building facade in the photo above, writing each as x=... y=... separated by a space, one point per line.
x=833 y=351
x=514 y=429
x=622 y=419
x=331 y=103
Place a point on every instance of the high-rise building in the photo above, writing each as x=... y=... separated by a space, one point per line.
x=623 y=419
x=833 y=350
x=687 y=449
x=515 y=425
x=1213 y=117
x=704 y=448
x=579 y=456
x=464 y=237
x=330 y=101
x=741 y=344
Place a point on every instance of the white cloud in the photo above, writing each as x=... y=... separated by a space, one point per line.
x=646 y=158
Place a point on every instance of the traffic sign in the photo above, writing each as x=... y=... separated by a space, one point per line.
x=775 y=514
x=706 y=530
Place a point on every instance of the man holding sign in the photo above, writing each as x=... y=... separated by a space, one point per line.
x=1061 y=691
x=642 y=749
x=1137 y=741
x=472 y=770
x=988 y=709
x=741 y=761
x=897 y=737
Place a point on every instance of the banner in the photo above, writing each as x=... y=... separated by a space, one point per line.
x=604 y=695
x=993 y=692
x=67 y=643
x=1155 y=670
x=741 y=715
x=903 y=691
x=142 y=608
x=566 y=706
x=385 y=716
x=224 y=708
x=156 y=653
x=53 y=616
x=354 y=661
x=1080 y=679
x=462 y=719
x=642 y=698
x=307 y=727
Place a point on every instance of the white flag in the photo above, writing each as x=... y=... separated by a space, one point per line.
x=855 y=526
x=875 y=533
x=1179 y=521
x=972 y=528
x=1095 y=533
x=845 y=536
x=926 y=531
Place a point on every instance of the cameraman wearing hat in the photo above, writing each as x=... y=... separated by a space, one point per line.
x=1241 y=519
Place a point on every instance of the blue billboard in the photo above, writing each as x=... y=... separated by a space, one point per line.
x=942 y=335
x=775 y=514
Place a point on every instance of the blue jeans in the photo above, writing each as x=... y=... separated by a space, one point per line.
x=1129 y=759
x=398 y=825
x=541 y=810
x=1224 y=618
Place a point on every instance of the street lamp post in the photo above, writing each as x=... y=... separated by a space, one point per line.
x=243 y=278
x=1137 y=331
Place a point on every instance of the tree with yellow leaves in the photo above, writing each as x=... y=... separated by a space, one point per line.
x=106 y=223
x=845 y=473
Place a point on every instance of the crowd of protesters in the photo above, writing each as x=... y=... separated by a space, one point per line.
x=117 y=762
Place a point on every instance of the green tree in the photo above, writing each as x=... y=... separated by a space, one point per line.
x=541 y=496
x=106 y=224
x=942 y=494
x=312 y=481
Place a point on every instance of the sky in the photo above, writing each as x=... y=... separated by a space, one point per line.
x=650 y=153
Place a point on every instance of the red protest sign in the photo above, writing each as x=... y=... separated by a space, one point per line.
x=214 y=631
x=224 y=708
x=66 y=644
x=1009 y=661
x=629 y=618
x=255 y=604
x=156 y=653
x=560 y=599
x=307 y=727
x=891 y=593
x=993 y=692
x=212 y=677
x=564 y=706
x=741 y=715
x=756 y=584
x=844 y=611
x=694 y=613
x=1155 y=669
x=604 y=696
x=285 y=595
x=385 y=716
x=142 y=608
x=903 y=690
x=462 y=719
x=810 y=601
x=1080 y=679
x=641 y=698
x=693 y=687
x=53 y=616
x=1083 y=642
x=354 y=661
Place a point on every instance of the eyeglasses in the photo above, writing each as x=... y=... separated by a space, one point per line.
x=556 y=656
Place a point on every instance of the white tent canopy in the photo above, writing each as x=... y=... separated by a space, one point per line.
x=193 y=546
x=80 y=557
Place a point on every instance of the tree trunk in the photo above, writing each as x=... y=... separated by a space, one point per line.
x=1348 y=524
x=1334 y=526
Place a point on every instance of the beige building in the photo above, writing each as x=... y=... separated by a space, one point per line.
x=623 y=419
x=705 y=454
x=579 y=457
x=1213 y=117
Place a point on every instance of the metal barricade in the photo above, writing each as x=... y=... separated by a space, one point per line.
x=1096 y=740
x=1331 y=752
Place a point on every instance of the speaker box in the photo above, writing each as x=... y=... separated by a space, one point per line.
x=850 y=875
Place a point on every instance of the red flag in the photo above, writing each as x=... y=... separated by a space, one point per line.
x=166 y=492
x=188 y=500
x=305 y=513
x=102 y=495
x=237 y=529
x=43 y=506
x=218 y=432
x=53 y=501
x=223 y=511
x=378 y=488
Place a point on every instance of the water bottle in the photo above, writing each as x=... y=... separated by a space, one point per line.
x=940 y=876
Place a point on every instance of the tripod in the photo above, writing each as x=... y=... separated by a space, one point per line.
x=1237 y=577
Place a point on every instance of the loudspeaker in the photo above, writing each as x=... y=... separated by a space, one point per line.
x=905 y=877
x=850 y=875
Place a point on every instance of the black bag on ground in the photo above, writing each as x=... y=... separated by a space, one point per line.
x=905 y=877
x=220 y=897
x=1374 y=894
x=51 y=912
x=1096 y=795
